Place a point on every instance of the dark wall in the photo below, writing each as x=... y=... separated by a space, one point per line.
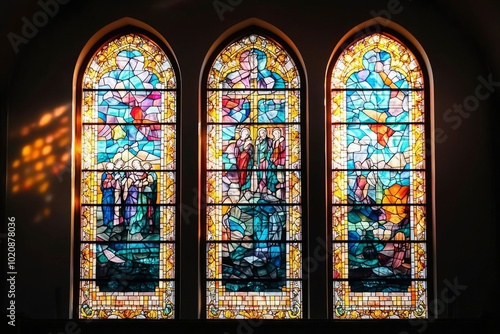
x=37 y=93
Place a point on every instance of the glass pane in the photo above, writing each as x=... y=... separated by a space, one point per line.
x=378 y=181
x=253 y=178
x=128 y=182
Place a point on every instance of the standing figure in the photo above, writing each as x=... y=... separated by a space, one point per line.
x=399 y=250
x=277 y=160
x=149 y=194
x=244 y=158
x=139 y=183
x=108 y=198
x=130 y=197
x=263 y=146
x=118 y=176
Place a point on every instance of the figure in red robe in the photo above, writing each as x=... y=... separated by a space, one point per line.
x=244 y=158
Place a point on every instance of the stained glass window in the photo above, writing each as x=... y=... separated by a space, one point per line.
x=378 y=197
x=253 y=182
x=127 y=175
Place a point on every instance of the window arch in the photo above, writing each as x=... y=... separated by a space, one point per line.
x=380 y=175
x=125 y=190
x=253 y=172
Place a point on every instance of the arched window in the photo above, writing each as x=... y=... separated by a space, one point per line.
x=126 y=180
x=379 y=180
x=253 y=172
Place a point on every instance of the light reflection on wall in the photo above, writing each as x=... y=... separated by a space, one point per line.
x=44 y=159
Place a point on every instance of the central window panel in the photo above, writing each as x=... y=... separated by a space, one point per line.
x=253 y=180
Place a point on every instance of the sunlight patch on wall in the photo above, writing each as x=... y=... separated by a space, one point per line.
x=44 y=157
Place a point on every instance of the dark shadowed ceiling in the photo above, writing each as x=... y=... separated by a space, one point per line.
x=479 y=18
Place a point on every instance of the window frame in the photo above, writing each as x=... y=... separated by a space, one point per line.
x=308 y=280
x=393 y=30
x=288 y=46
x=99 y=40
